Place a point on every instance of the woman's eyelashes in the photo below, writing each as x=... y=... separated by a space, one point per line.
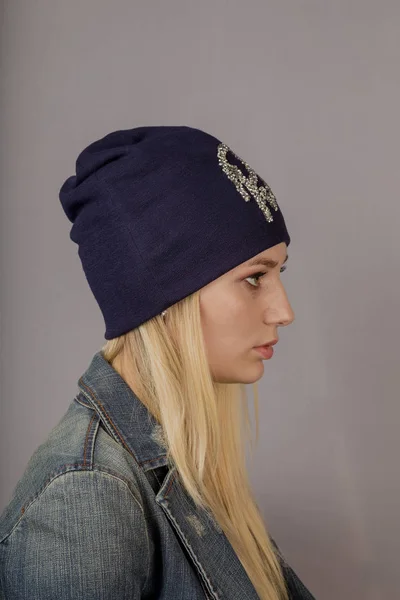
x=257 y=276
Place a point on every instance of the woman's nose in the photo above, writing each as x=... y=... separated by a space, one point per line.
x=288 y=319
x=286 y=312
x=281 y=311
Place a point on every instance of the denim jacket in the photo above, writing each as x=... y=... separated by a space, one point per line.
x=99 y=514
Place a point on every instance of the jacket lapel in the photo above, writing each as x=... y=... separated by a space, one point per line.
x=218 y=566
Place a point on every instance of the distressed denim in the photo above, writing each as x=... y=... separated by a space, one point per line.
x=99 y=514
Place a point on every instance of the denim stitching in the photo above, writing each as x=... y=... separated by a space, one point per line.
x=88 y=434
x=96 y=399
x=106 y=415
x=82 y=403
x=62 y=470
x=182 y=535
x=192 y=553
x=148 y=555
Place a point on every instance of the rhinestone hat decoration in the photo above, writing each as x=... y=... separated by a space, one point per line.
x=247 y=186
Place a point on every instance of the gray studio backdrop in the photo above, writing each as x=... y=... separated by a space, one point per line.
x=309 y=93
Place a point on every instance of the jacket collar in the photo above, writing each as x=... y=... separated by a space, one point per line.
x=130 y=424
x=123 y=414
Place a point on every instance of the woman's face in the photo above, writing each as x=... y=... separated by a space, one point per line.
x=241 y=310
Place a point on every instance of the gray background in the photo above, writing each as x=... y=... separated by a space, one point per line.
x=309 y=93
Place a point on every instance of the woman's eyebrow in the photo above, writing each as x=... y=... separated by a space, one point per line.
x=271 y=264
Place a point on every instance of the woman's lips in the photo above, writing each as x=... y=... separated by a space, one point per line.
x=265 y=351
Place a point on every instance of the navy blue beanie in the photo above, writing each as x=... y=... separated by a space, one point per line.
x=158 y=212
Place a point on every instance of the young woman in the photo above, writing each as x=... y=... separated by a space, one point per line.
x=141 y=490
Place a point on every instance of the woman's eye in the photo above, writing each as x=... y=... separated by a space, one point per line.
x=255 y=277
x=258 y=276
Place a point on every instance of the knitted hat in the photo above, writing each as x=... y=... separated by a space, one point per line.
x=159 y=212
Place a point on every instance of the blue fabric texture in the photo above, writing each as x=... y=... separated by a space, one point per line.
x=159 y=212
x=100 y=514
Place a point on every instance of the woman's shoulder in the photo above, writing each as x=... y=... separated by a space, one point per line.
x=78 y=443
x=73 y=510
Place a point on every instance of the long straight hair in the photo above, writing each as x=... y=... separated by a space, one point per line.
x=205 y=426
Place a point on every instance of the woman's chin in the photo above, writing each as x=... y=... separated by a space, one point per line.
x=255 y=374
x=241 y=372
x=246 y=376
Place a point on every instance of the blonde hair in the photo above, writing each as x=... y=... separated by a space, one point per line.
x=166 y=366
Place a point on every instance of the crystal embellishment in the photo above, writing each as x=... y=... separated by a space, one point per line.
x=247 y=185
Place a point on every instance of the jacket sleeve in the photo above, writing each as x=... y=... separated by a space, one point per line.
x=84 y=537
